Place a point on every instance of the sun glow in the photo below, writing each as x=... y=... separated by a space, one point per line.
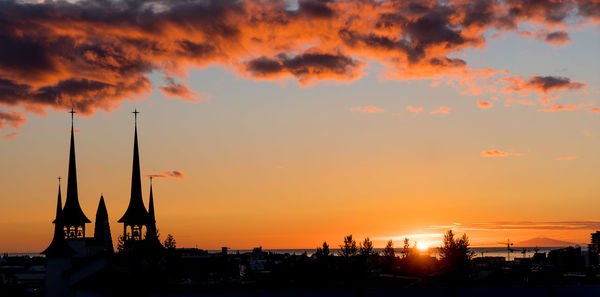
x=422 y=246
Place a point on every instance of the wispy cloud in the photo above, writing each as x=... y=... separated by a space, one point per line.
x=567 y=158
x=367 y=109
x=522 y=225
x=10 y=135
x=497 y=153
x=415 y=110
x=167 y=174
x=12 y=118
x=509 y=102
x=484 y=104
x=441 y=110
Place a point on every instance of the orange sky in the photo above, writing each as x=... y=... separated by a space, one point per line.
x=299 y=122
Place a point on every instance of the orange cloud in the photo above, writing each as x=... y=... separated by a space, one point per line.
x=567 y=158
x=10 y=135
x=367 y=109
x=93 y=55
x=517 y=101
x=484 y=104
x=165 y=174
x=14 y=119
x=541 y=84
x=416 y=110
x=497 y=153
x=441 y=110
x=595 y=109
x=562 y=107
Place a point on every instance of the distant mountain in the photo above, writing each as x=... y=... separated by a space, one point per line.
x=544 y=241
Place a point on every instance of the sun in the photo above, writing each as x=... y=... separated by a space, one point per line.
x=422 y=246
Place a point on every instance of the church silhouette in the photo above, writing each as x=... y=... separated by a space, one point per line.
x=71 y=256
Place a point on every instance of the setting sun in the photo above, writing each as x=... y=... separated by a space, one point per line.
x=422 y=246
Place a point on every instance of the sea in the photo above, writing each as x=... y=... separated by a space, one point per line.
x=515 y=252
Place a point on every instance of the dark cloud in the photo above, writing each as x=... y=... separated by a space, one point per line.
x=13 y=119
x=166 y=174
x=94 y=54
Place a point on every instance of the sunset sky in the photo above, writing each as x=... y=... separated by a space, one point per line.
x=290 y=123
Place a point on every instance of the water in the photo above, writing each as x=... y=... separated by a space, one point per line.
x=434 y=252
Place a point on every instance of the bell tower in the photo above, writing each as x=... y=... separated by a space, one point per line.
x=136 y=218
x=74 y=219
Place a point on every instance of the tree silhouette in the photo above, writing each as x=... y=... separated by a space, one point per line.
x=406 y=248
x=349 y=248
x=170 y=242
x=323 y=251
x=388 y=251
x=366 y=247
x=455 y=254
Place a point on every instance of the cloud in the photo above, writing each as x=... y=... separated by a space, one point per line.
x=441 y=110
x=522 y=225
x=92 y=55
x=175 y=90
x=484 y=104
x=567 y=158
x=595 y=109
x=10 y=135
x=367 y=109
x=557 y=38
x=565 y=107
x=416 y=110
x=13 y=119
x=542 y=84
x=497 y=153
x=517 y=101
x=167 y=174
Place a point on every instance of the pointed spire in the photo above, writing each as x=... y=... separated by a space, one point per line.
x=102 y=227
x=73 y=215
x=152 y=233
x=58 y=203
x=151 y=204
x=59 y=246
x=136 y=213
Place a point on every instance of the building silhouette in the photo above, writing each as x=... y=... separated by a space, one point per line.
x=71 y=256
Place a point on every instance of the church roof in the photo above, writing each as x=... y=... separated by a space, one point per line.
x=72 y=213
x=59 y=246
x=136 y=213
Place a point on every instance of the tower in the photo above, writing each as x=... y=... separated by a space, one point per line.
x=136 y=217
x=74 y=219
x=152 y=233
x=58 y=256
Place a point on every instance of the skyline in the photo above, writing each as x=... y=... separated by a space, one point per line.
x=489 y=127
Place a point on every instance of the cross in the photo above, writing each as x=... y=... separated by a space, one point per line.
x=72 y=112
x=59 y=178
x=150 y=180
x=135 y=113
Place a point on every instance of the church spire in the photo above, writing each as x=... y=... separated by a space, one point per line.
x=59 y=246
x=73 y=216
x=152 y=232
x=136 y=215
x=102 y=227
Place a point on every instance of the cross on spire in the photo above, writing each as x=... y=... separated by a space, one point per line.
x=59 y=178
x=151 y=180
x=72 y=112
x=135 y=113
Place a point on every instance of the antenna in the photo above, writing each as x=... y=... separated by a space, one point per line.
x=508 y=248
